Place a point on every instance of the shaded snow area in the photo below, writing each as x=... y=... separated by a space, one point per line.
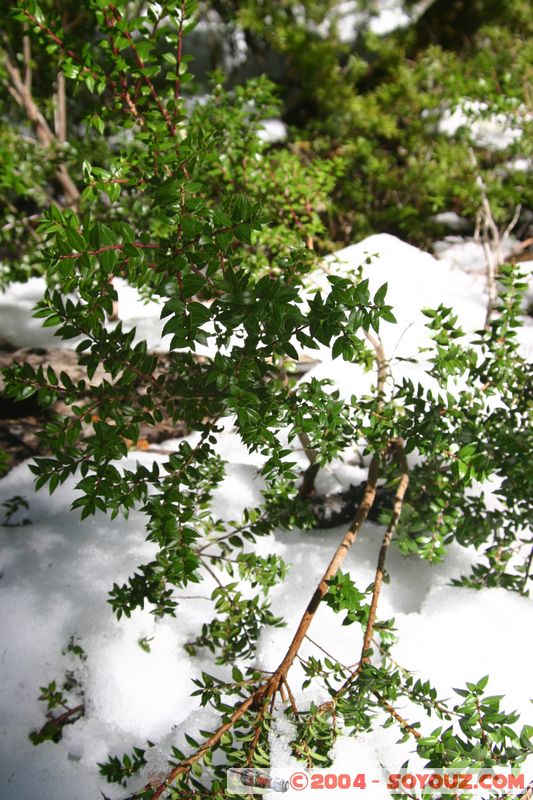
x=493 y=131
x=348 y=19
x=468 y=253
x=56 y=572
x=477 y=123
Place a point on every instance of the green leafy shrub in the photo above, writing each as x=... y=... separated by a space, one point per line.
x=190 y=208
x=376 y=102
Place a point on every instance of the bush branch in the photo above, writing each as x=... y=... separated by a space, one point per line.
x=389 y=533
x=270 y=687
x=21 y=91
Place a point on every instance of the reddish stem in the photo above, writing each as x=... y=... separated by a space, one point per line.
x=105 y=248
x=142 y=66
x=70 y=53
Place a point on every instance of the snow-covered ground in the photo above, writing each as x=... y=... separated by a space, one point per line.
x=56 y=572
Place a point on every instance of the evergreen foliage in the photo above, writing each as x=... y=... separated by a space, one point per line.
x=184 y=201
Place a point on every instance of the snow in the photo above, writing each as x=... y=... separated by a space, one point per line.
x=467 y=253
x=56 y=572
x=55 y=577
x=272 y=131
x=492 y=622
x=17 y=325
x=349 y=19
x=416 y=280
x=519 y=164
x=231 y=40
x=492 y=131
x=452 y=221
x=391 y=16
x=114 y=689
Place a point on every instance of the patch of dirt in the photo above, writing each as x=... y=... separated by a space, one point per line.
x=21 y=421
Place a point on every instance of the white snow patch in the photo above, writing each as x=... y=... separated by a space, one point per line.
x=17 y=325
x=272 y=131
x=349 y=19
x=463 y=634
x=467 y=254
x=453 y=221
x=123 y=667
x=492 y=131
x=415 y=280
x=391 y=16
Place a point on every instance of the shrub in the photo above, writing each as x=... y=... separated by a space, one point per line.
x=190 y=208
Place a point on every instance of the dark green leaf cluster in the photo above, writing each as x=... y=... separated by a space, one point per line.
x=118 y=770
x=67 y=699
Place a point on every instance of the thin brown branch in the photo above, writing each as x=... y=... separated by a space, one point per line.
x=512 y=224
x=490 y=239
x=525 y=244
x=291 y=699
x=382 y=364
x=55 y=724
x=60 y=109
x=397 y=447
x=142 y=66
x=303 y=743
x=24 y=98
x=185 y=765
x=270 y=687
x=57 y=40
x=395 y=715
x=125 y=93
x=308 y=482
x=528 y=794
x=257 y=732
x=224 y=536
x=105 y=248
x=24 y=221
x=326 y=652
x=213 y=574
x=380 y=571
x=26 y=54
x=45 y=136
x=332 y=568
x=329 y=707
